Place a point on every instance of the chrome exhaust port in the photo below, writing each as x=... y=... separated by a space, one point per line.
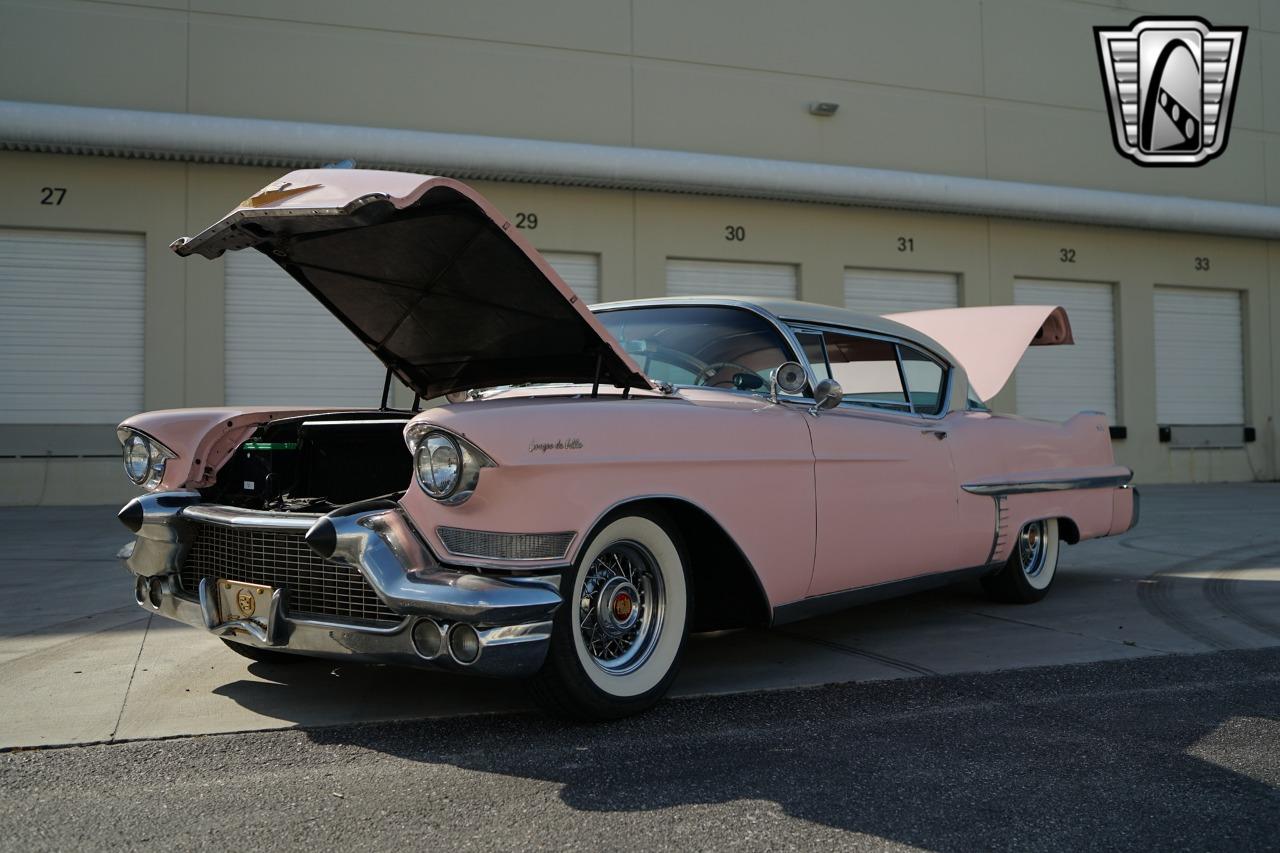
x=428 y=639
x=464 y=644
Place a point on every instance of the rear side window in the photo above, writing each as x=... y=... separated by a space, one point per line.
x=926 y=381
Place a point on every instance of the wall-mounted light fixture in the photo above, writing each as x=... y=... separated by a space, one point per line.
x=823 y=108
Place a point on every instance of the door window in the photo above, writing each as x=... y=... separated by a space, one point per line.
x=867 y=370
x=876 y=372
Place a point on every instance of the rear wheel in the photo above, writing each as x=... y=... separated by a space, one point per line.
x=1030 y=569
x=617 y=639
x=259 y=654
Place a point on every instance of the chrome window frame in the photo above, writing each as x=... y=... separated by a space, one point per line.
x=944 y=394
x=787 y=328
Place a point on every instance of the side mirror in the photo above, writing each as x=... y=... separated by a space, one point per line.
x=788 y=377
x=826 y=395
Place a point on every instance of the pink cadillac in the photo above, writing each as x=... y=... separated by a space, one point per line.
x=599 y=482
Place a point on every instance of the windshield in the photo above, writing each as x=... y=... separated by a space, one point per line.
x=715 y=346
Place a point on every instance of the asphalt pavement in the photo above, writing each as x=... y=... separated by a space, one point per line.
x=1177 y=752
x=80 y=662
x=1136 y=708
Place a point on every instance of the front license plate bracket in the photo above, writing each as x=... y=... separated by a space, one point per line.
x=230 y=606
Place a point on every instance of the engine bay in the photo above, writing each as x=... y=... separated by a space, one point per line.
x=317 y=463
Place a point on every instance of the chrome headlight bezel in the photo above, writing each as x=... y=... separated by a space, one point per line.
x=438 y=465
x=137 y=458
x=156 y=454
x=424 y=441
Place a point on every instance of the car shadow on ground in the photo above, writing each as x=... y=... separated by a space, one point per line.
x=1146 y=753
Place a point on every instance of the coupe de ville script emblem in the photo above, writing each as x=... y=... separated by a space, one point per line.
x=1171 y=86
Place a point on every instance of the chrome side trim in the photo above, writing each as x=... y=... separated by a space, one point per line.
x=1107 y=481
x=997 y=539
x=228 y=516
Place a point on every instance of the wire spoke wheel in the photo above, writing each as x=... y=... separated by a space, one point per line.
x=1031 y=566
x=1031 y=549
x=618 y=637
x=621 y=609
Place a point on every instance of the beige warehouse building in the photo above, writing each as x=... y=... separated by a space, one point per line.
x=647 y=147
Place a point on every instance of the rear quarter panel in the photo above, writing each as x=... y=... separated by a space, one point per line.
x=999 y=447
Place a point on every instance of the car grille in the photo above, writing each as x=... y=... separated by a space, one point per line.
x=504 y=546
x=282 y=560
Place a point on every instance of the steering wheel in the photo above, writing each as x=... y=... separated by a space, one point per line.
x=716 y=367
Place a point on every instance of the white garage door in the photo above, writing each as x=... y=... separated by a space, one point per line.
x=284 y=348
x=71 y=312
x=1057 y=382
x=580 y=271
x=1199 y=356
x=891 y=291
x=730 y=278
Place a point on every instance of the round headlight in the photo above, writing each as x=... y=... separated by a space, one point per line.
x=439 y=465
x=137 y=458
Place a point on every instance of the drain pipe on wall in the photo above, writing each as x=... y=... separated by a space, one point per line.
x=54 y=128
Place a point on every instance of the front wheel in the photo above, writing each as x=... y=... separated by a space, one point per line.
x=1030 y=569
x=618 y=637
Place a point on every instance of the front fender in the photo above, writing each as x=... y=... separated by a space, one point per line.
x=562 y=465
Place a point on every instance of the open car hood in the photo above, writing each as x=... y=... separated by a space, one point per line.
x=989 y=341
x=429 y=275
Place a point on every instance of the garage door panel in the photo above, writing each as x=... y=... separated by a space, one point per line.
x=1056 y=383
x=1199 y=356
x=580 y=270
x=731 y=278
x=71 y=326
x=878 y=292
x=284 y=348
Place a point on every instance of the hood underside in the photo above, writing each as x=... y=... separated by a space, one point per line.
x=428 y=275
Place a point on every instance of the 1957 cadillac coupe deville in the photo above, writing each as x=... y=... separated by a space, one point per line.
x=600 y=482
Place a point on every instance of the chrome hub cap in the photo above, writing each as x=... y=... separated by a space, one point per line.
x=616 y=610
x=1031 y=550
x=621 y=608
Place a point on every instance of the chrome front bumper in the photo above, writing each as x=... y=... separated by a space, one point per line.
x=511 y=615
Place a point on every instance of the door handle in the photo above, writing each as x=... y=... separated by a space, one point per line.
x=936 y=433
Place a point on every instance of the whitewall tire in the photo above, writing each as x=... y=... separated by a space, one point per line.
x=618 y=636
x=1029 y=572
